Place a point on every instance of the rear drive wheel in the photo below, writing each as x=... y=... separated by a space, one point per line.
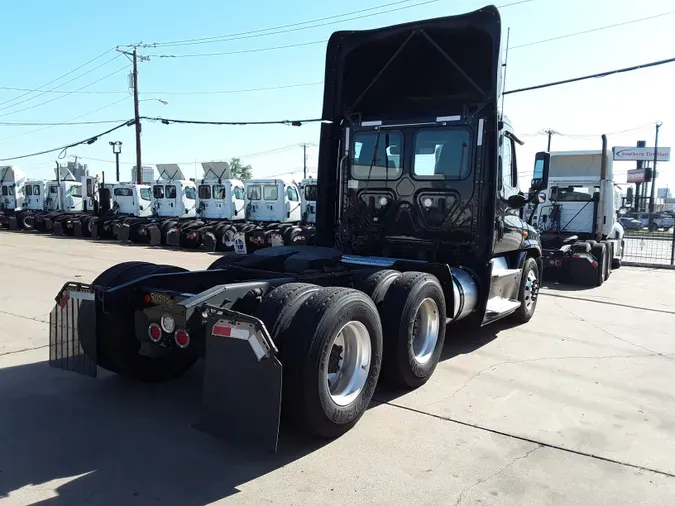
x=376 y=285
x=599 y=251
x=280 y=305
x=413 y=314
x=528 y=293
x=332 y=355
x=119 y=350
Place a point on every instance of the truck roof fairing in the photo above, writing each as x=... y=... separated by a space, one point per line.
x=414 y=69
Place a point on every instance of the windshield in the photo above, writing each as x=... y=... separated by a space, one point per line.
x=253 y=192
x=310 y=192
x=576 y=193
x=442 y=152
x=364 y=153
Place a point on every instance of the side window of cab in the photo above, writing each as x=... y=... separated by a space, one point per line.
x=508 y=170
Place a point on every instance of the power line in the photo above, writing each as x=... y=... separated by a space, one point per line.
x=88 y=140
x=70 y=121
x=242 y=51
x=42 y=92
x=284 y=28
x=58 y=78
x=592 y=76
x=592 y=30
x=314 y=24
x=62 y=123
x=298 y=122
x=62 y=96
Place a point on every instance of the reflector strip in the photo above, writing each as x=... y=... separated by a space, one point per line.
x=223 y=329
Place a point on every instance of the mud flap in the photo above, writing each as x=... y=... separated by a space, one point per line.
x=13 y=223
x=77 y=227
x=242 y=381
x=209 y=242
x=155 y=235
x=57 y=227
x=123 y=233
x=94 y=231
x=72 y=330
x=173 y=237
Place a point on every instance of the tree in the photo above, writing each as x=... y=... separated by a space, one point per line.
x=239 y=170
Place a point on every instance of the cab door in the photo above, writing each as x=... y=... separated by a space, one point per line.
x=509 y=226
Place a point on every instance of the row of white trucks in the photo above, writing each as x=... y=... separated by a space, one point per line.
x=210 y=212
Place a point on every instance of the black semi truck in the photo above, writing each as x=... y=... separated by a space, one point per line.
x=419 y=225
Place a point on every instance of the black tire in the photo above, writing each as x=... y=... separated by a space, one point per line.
x=527 y=292
x=399 y=311
x=224 y=261
x=376 y=285
x=307 y=355
x=28 y=221
x=280 y=305
x=616 y=263
x=599 y=251
x=117 y=346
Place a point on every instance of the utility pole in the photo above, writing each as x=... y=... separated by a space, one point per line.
x=304 y=157
x=550 y=133
x=640 y=165
x=137 y=116
x=653 y=192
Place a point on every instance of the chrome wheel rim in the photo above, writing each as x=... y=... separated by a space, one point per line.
x=425 y=331
x=531 y=290
x=348 y=364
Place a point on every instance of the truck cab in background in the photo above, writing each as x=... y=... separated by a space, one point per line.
x=11 y=192
x=308 y=199
x=173 y=195
x=578 y=218
x=273 y=201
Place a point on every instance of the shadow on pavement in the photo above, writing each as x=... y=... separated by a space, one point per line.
x=110 y=441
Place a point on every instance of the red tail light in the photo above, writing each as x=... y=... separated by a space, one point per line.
x=154 y=332
x=182 y=338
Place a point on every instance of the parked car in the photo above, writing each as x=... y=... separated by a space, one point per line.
x=630 y=223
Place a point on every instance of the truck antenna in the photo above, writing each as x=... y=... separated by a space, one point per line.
x=506 y=59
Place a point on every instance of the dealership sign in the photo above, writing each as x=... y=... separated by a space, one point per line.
x=636 y=176
x=643 y=154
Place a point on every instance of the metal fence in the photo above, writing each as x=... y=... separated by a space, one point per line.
x=645 y=247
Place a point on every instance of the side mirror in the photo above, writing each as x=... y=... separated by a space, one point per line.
x=542 y=162
x=516 y=201
x=541 y=198
x=553 y=197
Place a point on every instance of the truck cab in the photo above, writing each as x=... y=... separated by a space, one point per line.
x=308 y=199
x=11 y=188
x=132 y=199
x=34 y=191
x=218 y=196
x=273 y=200
x=172 y=194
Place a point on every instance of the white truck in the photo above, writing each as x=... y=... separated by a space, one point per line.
x=308 y=199
x=129 y=201
x=12 y=180
x=577 y=218
x=174 y=199
x=220 y=211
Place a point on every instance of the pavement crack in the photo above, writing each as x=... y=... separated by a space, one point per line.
x=496 y=473
x=611 y=334
x=32 y=318
x=23 y=349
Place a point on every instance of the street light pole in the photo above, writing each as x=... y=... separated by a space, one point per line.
x=117 y=149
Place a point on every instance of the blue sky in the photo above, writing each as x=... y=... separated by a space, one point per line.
x=43 y=40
